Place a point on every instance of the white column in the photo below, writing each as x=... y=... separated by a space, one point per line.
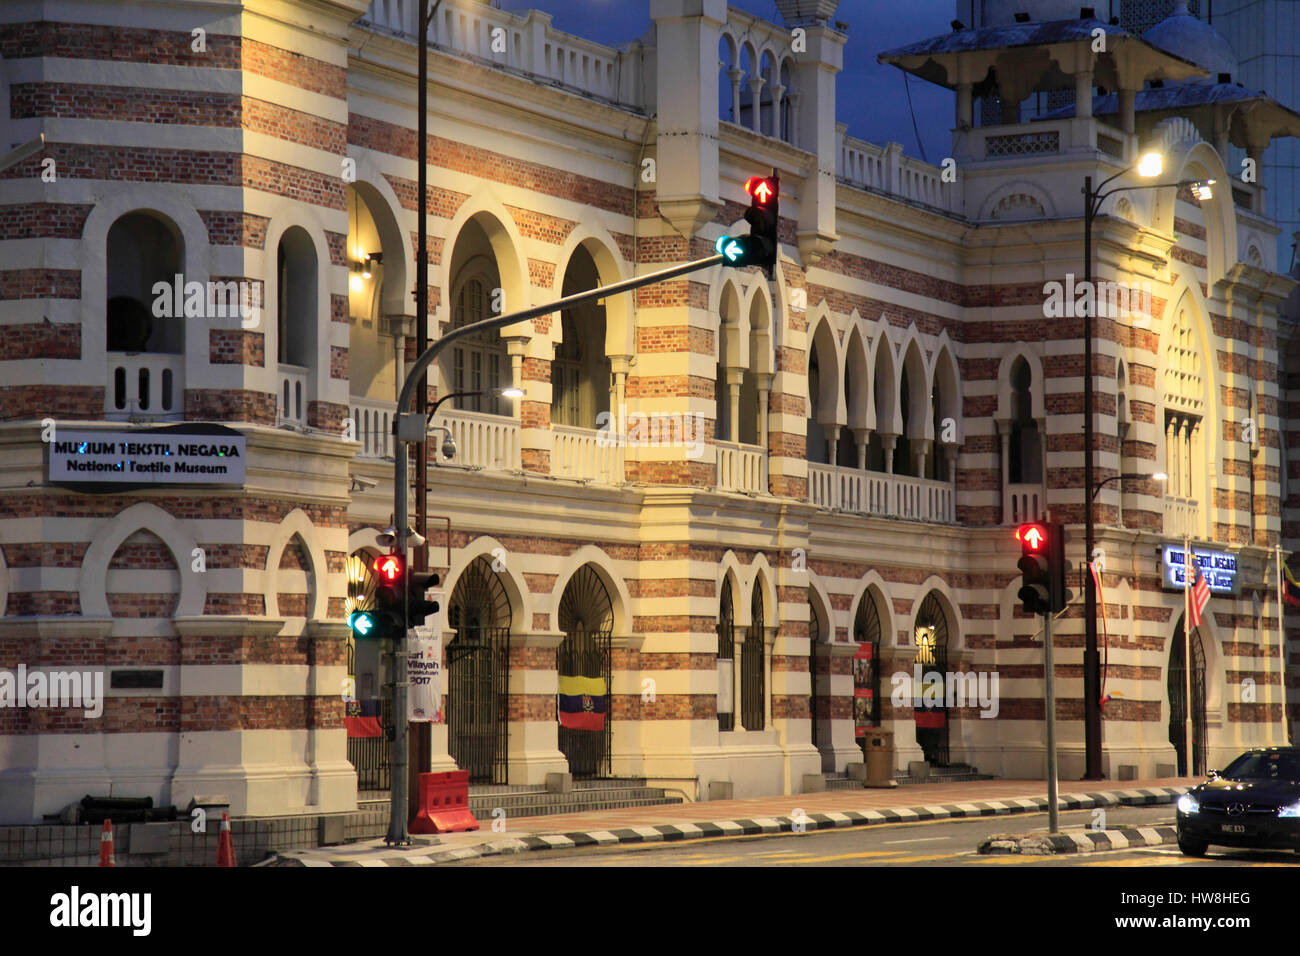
x=1083 y=94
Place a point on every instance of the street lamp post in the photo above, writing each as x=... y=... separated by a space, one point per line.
x=1150 y=165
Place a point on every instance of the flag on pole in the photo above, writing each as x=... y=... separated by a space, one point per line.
x=1291 y=589
x=1200 y=593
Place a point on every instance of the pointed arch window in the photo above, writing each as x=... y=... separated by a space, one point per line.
x=753 y=666
x=1025 y=454
x=478 y=362
x=726 y=658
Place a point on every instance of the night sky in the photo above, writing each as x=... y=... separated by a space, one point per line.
x=872 y=98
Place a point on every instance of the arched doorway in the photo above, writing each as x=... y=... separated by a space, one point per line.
x=931 y=636
x=753 y=665
x=584 y=669
x=478 y=674
x=866 y=669
x=1177 y=684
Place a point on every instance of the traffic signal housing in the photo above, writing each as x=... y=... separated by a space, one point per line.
x=386 y=620
x=1036 y=579
x=418 y=606
x=759 y=248
x=1060 y=568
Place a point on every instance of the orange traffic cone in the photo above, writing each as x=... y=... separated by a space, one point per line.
x=106 y=845
x=225 y=848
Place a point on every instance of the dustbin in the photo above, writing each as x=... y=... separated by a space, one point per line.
x=879 y=747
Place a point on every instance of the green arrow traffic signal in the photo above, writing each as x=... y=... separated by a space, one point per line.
x=363 y=623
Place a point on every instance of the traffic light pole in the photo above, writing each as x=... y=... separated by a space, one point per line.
x=1050 y=683
x=414 y=433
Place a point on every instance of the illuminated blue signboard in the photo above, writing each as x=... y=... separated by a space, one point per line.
x=1220 y=568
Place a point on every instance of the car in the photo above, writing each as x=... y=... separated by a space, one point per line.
x=1254 y=803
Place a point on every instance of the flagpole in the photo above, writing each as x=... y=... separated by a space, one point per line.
x=1187 y=650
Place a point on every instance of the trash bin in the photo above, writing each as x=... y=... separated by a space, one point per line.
x=879 y=747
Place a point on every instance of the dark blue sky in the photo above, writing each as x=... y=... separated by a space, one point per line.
x=872 y=97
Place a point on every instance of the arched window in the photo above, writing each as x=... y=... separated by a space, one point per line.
x=904 y=463
x=377 y=289
x=753 y=666
x=1025 y=454
x=728 y=91
x=145 y=315
x=816 y=450
x=580 y=372
x=726 y=658
x=479 y=362
x=296 y=305
x=936 y=466
x=767 y=115
x=879 y=457
x=814 y=638
x=1184 y=404
x=785 y=110
x=145 y=254
x=846 y=449
x=729 y=339
x=759 y=341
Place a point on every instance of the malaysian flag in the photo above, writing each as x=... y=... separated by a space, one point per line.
x=1200 y=593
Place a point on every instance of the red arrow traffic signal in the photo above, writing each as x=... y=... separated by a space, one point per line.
x=763 y=190
x=388 y=567
x=1032 y=535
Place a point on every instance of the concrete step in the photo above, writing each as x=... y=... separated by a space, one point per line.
x=542 y=810
x=956 y=773
x=516 y=801
x=585 y=796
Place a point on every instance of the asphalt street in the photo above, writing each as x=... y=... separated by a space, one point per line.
x=935 y=843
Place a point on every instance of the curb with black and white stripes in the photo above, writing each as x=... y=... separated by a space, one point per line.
x=1079 y=841
x=674 y=832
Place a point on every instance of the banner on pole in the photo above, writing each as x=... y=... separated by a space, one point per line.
x=424 y=670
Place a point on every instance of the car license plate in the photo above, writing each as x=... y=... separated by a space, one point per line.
x=1233 y=828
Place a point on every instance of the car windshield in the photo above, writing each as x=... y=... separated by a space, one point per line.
x=1264 y=766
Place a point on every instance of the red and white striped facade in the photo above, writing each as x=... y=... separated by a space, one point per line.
x=283 y=154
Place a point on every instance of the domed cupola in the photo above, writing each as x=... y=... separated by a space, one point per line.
x=1185 y=36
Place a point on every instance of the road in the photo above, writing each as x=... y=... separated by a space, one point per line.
x=933 y=843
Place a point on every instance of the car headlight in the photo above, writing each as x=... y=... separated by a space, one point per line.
x=1188 y=804
x=1291 y=810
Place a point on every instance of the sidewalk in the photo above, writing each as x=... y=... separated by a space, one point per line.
x=717 y=818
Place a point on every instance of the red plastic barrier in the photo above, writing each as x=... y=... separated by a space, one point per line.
x=444 y=804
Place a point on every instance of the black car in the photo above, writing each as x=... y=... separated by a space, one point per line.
x=1253 y=803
